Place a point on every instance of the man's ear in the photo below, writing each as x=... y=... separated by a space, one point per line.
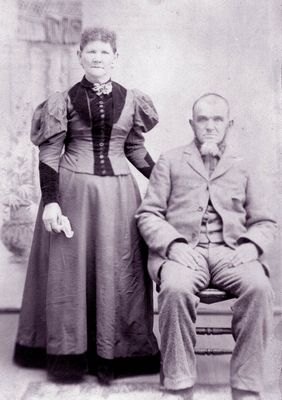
x=191 y=122
x=230 y=123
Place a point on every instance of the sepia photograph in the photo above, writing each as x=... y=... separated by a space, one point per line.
x=140 y=200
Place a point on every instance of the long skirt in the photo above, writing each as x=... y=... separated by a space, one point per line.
x=90 y=295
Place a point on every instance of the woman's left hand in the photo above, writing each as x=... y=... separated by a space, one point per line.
x=52 y=217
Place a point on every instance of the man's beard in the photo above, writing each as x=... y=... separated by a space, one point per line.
x=209 y=148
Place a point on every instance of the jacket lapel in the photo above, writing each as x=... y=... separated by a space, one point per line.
x=225 y=163
x=194 y=159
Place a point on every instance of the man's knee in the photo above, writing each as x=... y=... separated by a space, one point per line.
x=177 y=279
x=258 y=284
x=261 y=289
x=176 y=289
x=177 y=297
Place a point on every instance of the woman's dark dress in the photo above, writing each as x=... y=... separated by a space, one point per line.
x=88 y=299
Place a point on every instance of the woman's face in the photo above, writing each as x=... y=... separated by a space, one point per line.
x=97 y=59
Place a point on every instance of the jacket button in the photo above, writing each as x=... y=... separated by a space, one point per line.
x=200 y=208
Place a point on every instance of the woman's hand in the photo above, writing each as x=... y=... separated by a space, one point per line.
x=52 y=217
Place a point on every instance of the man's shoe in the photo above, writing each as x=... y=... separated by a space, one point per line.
x=187 y=394
x=238 y=394
x=183 y=394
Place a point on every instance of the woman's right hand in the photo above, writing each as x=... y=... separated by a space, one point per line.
x=52 y=217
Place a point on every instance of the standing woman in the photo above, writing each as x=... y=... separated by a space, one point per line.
x=87 y=304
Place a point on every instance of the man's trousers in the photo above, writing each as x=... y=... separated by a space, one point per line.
x=251 y=322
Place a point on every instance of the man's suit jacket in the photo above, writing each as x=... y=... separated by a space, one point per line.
x=178 y=195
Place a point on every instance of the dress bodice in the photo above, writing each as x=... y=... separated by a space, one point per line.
x=97 y=133
x=88 y=136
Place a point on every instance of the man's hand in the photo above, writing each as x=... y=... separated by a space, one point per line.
x=244 y=253
x=186 y=255
x=52 y=217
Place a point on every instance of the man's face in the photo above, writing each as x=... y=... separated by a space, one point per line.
x=210 y=120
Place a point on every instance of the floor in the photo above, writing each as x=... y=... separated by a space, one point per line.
x=27 y=384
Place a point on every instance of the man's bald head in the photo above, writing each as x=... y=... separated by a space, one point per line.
x=211 y=98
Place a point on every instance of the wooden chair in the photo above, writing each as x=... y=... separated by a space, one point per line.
x=211 y=296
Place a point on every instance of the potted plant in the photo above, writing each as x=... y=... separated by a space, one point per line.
x=18 y=200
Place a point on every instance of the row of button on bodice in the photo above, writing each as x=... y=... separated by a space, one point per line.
x=102 y=131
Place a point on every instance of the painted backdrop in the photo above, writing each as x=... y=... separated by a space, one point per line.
x=174 y=51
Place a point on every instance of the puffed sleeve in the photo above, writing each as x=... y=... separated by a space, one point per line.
x=48 y=132
x=145 y=118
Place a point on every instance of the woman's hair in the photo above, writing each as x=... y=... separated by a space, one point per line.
x=103 y=34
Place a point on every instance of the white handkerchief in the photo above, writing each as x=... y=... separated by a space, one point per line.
x=66 y=227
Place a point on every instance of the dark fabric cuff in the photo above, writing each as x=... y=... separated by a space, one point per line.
x=146 y=171
x=49 y=183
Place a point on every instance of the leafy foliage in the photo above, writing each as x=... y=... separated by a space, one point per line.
x=17 y=186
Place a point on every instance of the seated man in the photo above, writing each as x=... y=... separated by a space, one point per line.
x=206 y=220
